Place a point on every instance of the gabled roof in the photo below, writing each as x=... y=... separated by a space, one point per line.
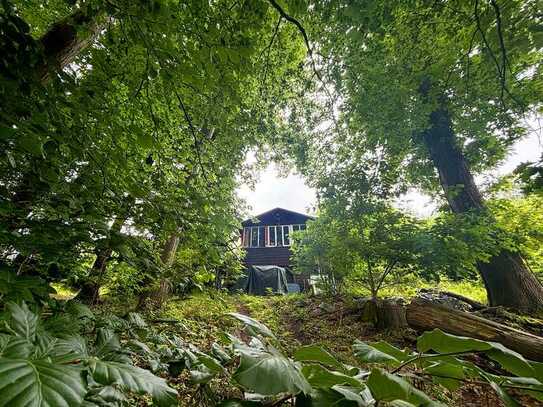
x=278 y=213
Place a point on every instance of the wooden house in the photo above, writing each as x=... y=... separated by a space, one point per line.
x=266 y=239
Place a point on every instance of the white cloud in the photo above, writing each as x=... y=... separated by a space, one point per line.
x=272 y=190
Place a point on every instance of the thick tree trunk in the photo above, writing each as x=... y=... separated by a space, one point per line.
x=508 y=281
x=384 y=314
x=61 y=43
x=425 y=315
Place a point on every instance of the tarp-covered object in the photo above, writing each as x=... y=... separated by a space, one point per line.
x=262 y=279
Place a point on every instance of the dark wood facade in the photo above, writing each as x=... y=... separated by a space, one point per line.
x=265 y=237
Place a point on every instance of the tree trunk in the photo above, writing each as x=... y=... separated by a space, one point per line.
x=154 y=298
x=61 y=43
x=508 y=281
x=384 y=314
x=90 y=289
x=426 y=315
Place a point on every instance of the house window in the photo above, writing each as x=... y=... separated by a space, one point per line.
x=286 y=233
x=255 y=238
x=246 y=238
x=262 y=236
x=271 y=240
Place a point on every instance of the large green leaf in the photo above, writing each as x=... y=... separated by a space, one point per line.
x=39 y=383
x=315 y=353
x=442 y=342
x=388 y=387
x=22 y=321
x=369 y=354
x=134 y=379
x=324 y=398
x=269 y=374
x=447 y=374
x=361 y=395
x=66 y=350
x=14 y=347
x=319 y=376
x=510 y=360
x=253 y=323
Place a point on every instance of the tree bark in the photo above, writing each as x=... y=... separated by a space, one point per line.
x=90 y=289
x=61 y=43
x=508 y=281
x=384 y=314
x=425 y=315
x=154 y=298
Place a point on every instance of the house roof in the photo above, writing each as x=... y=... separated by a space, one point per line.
x=278 y=216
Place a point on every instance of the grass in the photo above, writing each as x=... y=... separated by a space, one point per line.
x=471 y=289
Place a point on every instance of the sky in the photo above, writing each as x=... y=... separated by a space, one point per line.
x=291 y=192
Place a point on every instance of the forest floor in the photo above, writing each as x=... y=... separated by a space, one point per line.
x=332 y=322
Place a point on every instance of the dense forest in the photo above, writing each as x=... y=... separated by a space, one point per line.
x=125 y=127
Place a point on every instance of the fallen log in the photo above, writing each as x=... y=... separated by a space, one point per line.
x=425 y=315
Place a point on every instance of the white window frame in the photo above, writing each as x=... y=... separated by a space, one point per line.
x=269 y=234
x=258 y=236
x=283 y=234
x=246 y=237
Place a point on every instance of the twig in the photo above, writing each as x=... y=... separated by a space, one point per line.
x=302 y=31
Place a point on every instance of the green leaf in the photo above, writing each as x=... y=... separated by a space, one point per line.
x=145 y=140
x=219 y=352
x=134 y=379
x=107 y=343
x=324 y=398
x=7 y=132
x=31 y=144
x=315 y=353
x=442 y=342
x=369 y=354
x=361 y=396
x=319 y=376
x=14 y=347
x=506 y=398
x=254 y=324
x=239 y=403
x=448 y=375
x=270 y=374
x=39 y=383
x=391 y=350
x=385 y=386
x=136 y=320
x=79 y=310
x=510 y=360
x=22 y=322
x=62 y=351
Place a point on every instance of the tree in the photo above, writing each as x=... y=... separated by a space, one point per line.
x=154 y=103
x=427 y=93
x=370 y=244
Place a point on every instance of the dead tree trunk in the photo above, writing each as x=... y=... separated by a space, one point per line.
x=425 y=315
x=508 y=281
x=384 y=314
